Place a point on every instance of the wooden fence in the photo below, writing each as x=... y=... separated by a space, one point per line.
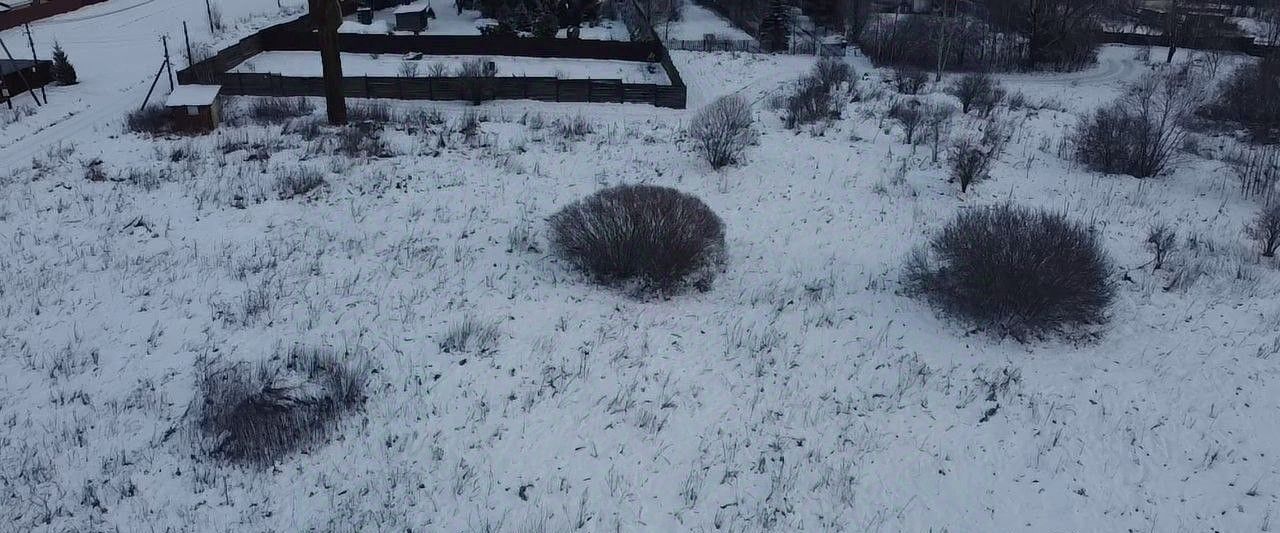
x=297 y=36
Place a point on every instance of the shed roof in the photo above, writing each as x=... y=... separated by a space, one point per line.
x=416 y=7
x=9 y=66
x=187 y=95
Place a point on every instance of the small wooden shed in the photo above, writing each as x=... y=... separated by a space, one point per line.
x=413 y=17
x=194 y=108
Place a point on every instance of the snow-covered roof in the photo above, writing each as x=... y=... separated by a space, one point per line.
x=186 y=95
x=416 y=7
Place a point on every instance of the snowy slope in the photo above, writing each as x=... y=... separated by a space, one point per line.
x=802 y=393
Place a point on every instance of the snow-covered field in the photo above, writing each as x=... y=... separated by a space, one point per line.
x=308 y=64
x=695 y=22
x=801 y=393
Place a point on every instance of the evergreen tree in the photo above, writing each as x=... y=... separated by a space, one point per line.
x=62 y=71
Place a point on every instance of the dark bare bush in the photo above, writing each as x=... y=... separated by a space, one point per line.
x=573 y=128
x=833 y=73
x=811 y=102
x=1251 y=98
x=910 y=80
x=722 y=130
x=1142 y=132
x=374 y=112
x=977 y=91
x=1162 y=240
x=260 y=414
x=477 y=80
x=294 y=181
x=657 y=236
x=356 y=141
x=1265 y=229
x=152 y=119
x=276 y=110
x=970 y=161
x=470 y=335
x=1016 y=271
x=909 y=114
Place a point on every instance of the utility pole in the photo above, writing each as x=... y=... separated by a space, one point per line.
x=326 y=15
x=32 y=44
x=164 y=39
x=209 y=8
x=187 y=37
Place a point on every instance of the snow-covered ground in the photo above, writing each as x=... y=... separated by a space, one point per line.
x=801 y=393
x=308 y=64
x=695 y=22
x=116 y=49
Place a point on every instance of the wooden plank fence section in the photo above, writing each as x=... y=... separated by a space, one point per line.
x=297 y=36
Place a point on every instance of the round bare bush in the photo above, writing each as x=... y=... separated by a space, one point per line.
x=657 y=236
x=1017 y=271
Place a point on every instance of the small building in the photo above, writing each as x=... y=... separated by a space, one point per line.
x=194 y=108
x=413 y=17
x=18 y=75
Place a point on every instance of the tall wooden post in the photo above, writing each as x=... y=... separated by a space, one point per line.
x=326 y=16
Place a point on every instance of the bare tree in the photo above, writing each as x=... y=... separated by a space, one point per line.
x=1265 y=228
x=1141 y=133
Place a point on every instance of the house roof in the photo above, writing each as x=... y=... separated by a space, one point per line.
x=188 y=95
x=9 y=66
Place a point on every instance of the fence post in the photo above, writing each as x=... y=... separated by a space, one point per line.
x=588 y=90
x=557 y=89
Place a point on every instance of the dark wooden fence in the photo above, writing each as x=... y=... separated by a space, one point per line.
x=1245 y=45
x=297 y=36
x=36 y=11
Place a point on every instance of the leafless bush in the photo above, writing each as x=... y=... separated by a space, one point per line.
x=408 y=69
x=477 y=75
x=376 y=112
x=1251 y=98
x=295 y=180
x=259 y=414
x=937 y=121
x=437 y=70
x=95 y=170
x=1018 y=271
x=977 y=91
x=355 y=141
x=573 y=127
x=1265 y=229
x=910 y=116
x=1258 y=169
x=1141 y=133
x=1161 y=239
x=909 y=80
x=810 y=103
x=470 y=335
x=656 y=235
x=970 y=161
x=723 y=129
x=832 y=73
x=152 y=119
x=276 y=110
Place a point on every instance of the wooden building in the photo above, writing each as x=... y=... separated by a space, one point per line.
x=194 y=108
x=20 y=75
x=414 y=17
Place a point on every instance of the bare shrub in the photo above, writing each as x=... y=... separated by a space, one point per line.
x=937 y=121
x=722 y=130
x=971 y=157
x=152 y=119
x=294 y=181
x=275 y=110
x=574 y=127
x=977 y=91
x=355 y=141
x=437 y=70
x=1161 y=239
x=910 y=116
x=408 y=69
x=811 y=102
x=1258 y=169
x=477 y=76
x=376 y=112
x=470 y=335
x=1141 y=133
x=656 y=235
x=1265 y=229
x=1251 y=98
x=909 y=80
x=832 y=73
x=1017 y=271
x=259 y=414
